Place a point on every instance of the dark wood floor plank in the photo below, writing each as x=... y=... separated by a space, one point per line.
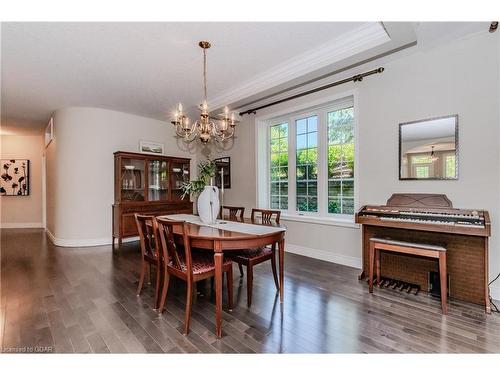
x=84 y=300
x=174 y=334
x=80 y=344
x=59 y=333
x=112 y=341
x=126 y=337
x=97 y=343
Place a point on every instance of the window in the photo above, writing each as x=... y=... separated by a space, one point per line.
x=279 y=166
x=341 y=161
x=310 y=167
x=307 y=164
x=421 y=172
x=450 y=166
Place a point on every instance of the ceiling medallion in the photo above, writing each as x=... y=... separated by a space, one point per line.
x=206 y=127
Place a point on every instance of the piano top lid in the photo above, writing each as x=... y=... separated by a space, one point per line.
x=419 y=200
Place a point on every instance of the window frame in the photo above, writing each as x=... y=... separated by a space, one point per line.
x=269 y=161
x=321 y=110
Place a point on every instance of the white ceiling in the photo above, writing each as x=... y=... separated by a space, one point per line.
x=141 y=68
x=146 y=68
x=430 y=129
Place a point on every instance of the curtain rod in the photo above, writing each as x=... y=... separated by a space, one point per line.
x=355 y=78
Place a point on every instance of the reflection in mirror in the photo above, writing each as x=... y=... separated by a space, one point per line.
x=428 y=149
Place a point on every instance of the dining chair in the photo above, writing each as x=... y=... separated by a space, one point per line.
x=149 y=251
x=187 y=264
x=252 y=257
x=235 y=212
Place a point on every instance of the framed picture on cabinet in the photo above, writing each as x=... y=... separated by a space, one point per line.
x=150 y=147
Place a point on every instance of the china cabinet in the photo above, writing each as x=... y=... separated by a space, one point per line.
x=149 y=185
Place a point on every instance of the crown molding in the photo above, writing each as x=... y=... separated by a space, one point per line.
x=369 y=35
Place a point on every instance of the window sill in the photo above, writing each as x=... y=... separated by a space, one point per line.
x=338 y=222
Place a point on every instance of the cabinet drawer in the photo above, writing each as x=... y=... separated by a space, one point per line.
x=129 y=227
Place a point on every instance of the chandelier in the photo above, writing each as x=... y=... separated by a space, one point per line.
x=433 y=156
x=204 y=129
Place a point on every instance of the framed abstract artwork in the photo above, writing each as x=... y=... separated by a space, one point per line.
x=15 y=177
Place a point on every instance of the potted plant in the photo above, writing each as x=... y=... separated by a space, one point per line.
x=207 y=194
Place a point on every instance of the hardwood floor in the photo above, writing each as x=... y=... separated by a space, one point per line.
x=83 y=300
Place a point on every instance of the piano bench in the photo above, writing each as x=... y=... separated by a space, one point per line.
x=377 y=245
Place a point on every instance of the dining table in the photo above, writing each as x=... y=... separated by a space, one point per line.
x=233 y=234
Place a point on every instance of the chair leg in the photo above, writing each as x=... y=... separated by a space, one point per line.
x=370 y=271
x=377 y=264
x=229 y=276
x=249 y=284
x=157 y=288
x=275 y=273
x=141 y=278
x=189 y=302
x=166 y=280
x=241 y=269
x=443 y=282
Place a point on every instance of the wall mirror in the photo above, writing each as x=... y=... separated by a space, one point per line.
x=428 y=149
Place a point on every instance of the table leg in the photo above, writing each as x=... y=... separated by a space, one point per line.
x=218 y=260
x=281 y=254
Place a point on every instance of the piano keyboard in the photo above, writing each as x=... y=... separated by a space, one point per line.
x=438 y=222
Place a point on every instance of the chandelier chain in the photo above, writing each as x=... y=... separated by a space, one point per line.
x=205 y=73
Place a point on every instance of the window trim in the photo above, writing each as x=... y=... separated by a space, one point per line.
x=319 y=107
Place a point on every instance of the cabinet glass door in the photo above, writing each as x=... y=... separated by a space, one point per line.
x=132 y=180
x=180 y=174
x=157 y=180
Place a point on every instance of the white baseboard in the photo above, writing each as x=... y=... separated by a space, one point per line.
x=20 y=225
x=64 y=242
x=328 y=256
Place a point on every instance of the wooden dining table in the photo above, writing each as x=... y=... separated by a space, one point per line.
x=220 y=240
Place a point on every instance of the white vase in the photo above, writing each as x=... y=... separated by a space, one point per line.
x=208 y=204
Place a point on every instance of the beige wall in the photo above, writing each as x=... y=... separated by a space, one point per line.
x=461 y=77
x=80 y=169
x=26 y=211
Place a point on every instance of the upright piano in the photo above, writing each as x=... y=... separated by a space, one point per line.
x=431 y=218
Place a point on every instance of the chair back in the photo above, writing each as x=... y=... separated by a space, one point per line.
x=171 y=251
x=266 y=215
x=147 y=237
x=234 y=211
